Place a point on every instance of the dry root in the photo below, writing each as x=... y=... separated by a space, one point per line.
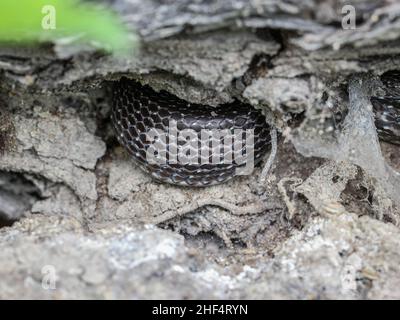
x=254 y=208
x=268 y=165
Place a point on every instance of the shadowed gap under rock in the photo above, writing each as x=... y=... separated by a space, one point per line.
x=17 y=195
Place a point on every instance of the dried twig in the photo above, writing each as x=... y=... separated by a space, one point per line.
x=233 y=209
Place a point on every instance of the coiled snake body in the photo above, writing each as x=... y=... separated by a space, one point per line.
x=138 y=108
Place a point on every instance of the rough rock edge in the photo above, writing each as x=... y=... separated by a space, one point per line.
x=289 y=64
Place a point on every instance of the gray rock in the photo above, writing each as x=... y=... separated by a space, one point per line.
x=344 y=257
x=92 y=225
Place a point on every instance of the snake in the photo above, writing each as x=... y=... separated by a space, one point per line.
x=138 y=108
x=387 y=108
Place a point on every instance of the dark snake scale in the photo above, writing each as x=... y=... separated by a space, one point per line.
x=387 y=108
x=138 y=108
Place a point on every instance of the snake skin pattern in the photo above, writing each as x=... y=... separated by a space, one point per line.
x=387 y=108
x=138 y=108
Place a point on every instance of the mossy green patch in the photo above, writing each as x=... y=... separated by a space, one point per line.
x=31 y=21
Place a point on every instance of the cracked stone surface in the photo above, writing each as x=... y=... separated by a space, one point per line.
x=78 y=219
x=112 y=259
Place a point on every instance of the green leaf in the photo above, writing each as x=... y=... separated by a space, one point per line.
x=31 y=21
